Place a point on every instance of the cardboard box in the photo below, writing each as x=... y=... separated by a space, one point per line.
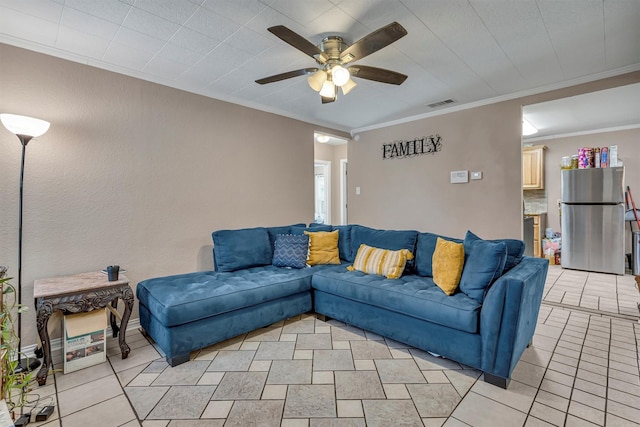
x=85 y=339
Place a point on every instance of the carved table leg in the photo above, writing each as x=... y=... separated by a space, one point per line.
x=127 y=297
x=112 y=317
x=44 y=312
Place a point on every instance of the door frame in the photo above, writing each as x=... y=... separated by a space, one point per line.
x=327 y=178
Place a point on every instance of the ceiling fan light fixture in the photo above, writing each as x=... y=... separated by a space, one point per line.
x=328 y=89
x=346 y=88
x=340 y=75
x=317 y=79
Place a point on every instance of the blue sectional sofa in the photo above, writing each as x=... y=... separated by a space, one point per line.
x=486 y=324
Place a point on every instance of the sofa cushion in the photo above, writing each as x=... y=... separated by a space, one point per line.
x=448 y=260
x=411 y=295
x=344 y=242
x=237 y=249
x=389 y=239
x=382 y=262
x=291 y=251
x=283 y=229
x=180 y=299
x=515 y=250
x=484 y=262
x=301 y=228
x=323 y=247
x=425 y=247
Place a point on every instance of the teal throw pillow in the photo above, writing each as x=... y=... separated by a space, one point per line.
x=291 y=251
x=483 y=264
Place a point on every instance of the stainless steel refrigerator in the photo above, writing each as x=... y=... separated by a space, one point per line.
x=593 y=219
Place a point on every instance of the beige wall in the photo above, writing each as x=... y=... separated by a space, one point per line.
x=628 y=142
x=333 y=154
x=416 y=193
x=137 y=174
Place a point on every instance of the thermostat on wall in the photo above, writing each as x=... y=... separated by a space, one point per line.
x=459 y=177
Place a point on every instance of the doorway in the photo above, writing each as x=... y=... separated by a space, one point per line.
x=343 y=192
x=322 y=191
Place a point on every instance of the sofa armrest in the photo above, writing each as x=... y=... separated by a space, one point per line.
x=509 y=315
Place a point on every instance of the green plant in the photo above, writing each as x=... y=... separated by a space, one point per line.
x=15 y=385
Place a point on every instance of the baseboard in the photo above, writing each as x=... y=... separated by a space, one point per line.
x=57 y=343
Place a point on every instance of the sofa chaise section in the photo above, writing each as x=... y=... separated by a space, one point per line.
x=187 y=312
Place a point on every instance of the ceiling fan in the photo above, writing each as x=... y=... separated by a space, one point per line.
x=334 y=56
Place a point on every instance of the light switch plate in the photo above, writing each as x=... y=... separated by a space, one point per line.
x=476 y=175
x=459 y=177
x=357 y=191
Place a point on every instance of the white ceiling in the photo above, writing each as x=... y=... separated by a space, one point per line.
x=474 y=51
x=605 y=110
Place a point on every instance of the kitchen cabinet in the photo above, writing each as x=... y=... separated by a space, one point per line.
x=539 y=227
x=533 y=167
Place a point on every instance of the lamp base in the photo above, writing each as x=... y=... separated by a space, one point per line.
x=27 y=365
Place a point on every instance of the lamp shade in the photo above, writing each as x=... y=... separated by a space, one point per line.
x=328 y=90
x=23 y=125
x=340 y=75
x=317 y=79
x=346 y=88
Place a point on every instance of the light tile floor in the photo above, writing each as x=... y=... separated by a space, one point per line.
x=582 y=370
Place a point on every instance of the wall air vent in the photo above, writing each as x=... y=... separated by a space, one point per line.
x=440 y=103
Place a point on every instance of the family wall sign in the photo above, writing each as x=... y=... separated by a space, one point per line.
x=412 y=147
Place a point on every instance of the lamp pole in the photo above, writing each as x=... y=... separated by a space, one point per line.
x=25 y=128
x=23 y=365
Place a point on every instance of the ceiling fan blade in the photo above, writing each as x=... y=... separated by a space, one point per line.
x=287 y=75
x=377 y=74
x=297 y=41
x=373 y=42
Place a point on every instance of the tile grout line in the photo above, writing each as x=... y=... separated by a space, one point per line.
x=546 y=369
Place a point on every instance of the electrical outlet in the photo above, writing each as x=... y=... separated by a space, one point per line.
x=459 y=177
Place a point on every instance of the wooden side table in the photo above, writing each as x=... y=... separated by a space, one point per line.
x=76 y=294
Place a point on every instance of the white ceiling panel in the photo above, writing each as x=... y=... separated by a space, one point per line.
x=576 y=29
x=176 y=11
x=126 y=56
x=251 y=42
x=178 y=54
x=27 y=27
x=520 y=32
x=80 y=43
x=622 y=32
x=150 y=24
x=110 y=10
x=139 y=41
x=467 y=50
x=89 y=24
x=211 y=24
x=239 y=11
x=164 y=68
x=187 y=38
x=336 y=22
x=43 y=9
x=302 y=15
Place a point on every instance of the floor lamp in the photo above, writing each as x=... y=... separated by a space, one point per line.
x=25 y=128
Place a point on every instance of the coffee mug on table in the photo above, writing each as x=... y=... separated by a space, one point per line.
x=112 y=272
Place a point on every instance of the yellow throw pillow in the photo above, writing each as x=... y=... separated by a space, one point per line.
x=448 y=260
x=382 y=262
x=323 y=247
